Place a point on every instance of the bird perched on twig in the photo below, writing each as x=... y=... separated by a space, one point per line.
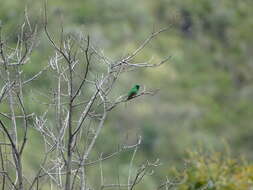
x=133 y=92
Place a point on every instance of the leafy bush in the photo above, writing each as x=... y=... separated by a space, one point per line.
x=216 y=172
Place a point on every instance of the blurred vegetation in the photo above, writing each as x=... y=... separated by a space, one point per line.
x=216 y=172
x=205 y=91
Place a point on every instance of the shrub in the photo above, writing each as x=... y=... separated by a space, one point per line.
x=216 y=172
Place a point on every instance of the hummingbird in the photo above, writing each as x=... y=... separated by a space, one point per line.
x=133 y=91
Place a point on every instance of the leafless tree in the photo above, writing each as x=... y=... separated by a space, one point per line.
x=83 y=79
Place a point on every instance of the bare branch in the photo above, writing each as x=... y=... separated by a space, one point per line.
x=9 y=138
x=25 y=125
x=86 y=70
x=143 y=45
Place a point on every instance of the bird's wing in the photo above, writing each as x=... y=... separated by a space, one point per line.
x=132 y=91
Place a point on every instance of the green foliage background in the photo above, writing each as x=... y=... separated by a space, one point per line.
x=206 y=89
